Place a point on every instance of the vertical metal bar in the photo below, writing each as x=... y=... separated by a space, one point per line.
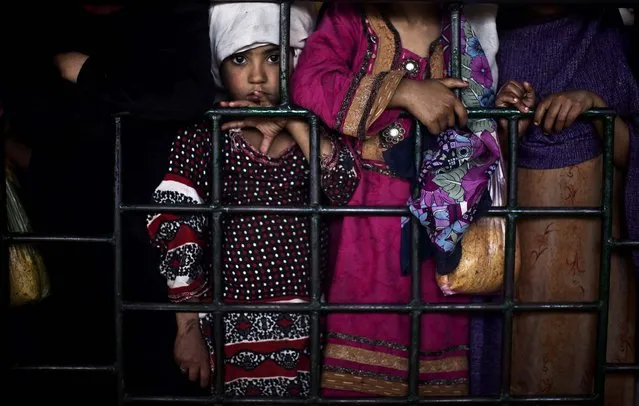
x=117 y=247
x=455 y=28
x=606 y=251
x=416 y=292
x=509 y=278
x=216 y=196
x=315 y=260
x=513 y=153
x=5 y=284
x=285 y=51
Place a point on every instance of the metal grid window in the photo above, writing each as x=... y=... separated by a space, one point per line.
x=315 y=210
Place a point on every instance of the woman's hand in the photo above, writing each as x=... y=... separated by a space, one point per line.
x=190 y=350
x=432 y=102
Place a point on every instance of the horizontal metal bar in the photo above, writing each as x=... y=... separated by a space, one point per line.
x=507 y=113
x=30 y=238
x=211 y=400
x=355 y=210
x=287 y=111
x=361 y=210
x=452 y=400
x=64 y=368
x=557 y=307
x=624 y=244
x=364 y=308
x=260 y=112
x=622 y=368
x=472 y=113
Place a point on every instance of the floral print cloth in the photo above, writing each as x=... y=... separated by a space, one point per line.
x=458 y=164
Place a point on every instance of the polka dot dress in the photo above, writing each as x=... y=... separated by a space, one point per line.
x=265 y=257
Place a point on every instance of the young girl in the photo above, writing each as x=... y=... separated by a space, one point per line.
x=265 y=257
x=361 y=66
x=574 y=61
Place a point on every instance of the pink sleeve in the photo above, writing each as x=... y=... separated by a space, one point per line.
x=330 y=82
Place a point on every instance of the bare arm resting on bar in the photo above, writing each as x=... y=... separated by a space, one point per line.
x=338 y=178
x=558 y=112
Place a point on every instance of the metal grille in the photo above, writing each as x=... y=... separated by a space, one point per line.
x=511 y=212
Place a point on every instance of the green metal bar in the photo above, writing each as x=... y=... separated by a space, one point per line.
x=336 y=211
x=622 y=368
x=606 y=251
x=455 y=59
x=624 y=244
x=117 y=261
x=452 y=400
x=472 y=112
x=509 y=274
x=511 y=113
x=416 y=291
x=368 y=307
x=216 y=269
x=285 y=51
x=315 y=260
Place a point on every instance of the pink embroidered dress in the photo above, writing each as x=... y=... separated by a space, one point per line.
x=346 y=75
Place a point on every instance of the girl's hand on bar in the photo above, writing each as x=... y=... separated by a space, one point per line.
x=270 y=127
x=578 y=102
x=560 y=110
x=520 y=96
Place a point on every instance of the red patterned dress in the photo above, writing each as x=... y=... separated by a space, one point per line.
x=265 y=257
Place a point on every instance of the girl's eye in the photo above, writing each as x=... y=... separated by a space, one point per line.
x=239 y=60
x=274 y=58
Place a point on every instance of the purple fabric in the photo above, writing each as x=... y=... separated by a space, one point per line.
x=572 y=52
x=453 y=179
x=486 y=333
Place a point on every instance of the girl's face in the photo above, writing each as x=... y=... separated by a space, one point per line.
x=253 y=75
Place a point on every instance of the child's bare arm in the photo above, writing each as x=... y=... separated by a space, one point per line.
x=190 y=350
x=300 y=130
x=339 y=170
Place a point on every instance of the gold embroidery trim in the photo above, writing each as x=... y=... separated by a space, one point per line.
x=386 y=50
x=385 y=93
x=335 y=380
x=436 y=63
x=368 y=357
x=355 y=112
x=371 y=151
x=386 y=46
x=382 y=62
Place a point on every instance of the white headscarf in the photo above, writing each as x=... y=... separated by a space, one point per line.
x=239 y=27
x=483 y=20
